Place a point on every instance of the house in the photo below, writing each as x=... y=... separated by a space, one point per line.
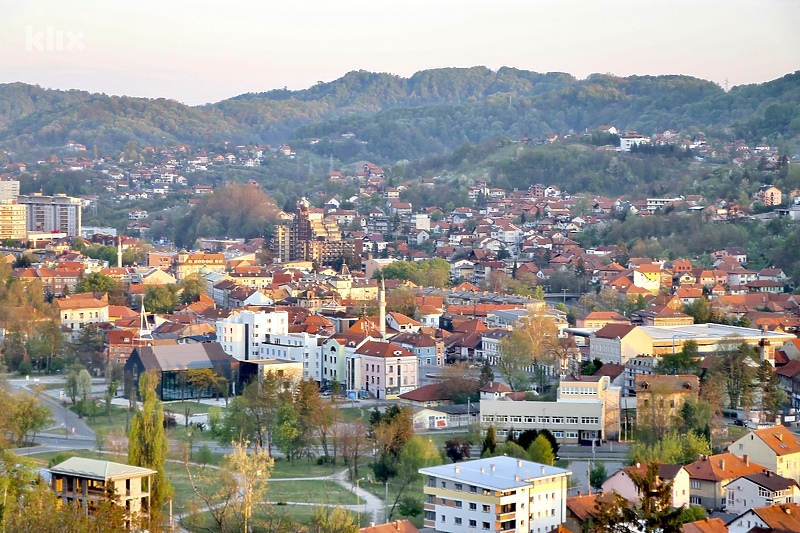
x=497 y=494
x=388 y=369
x=789 y=378
x=707 y=525
x=398 y=526
x=598 y=319
x=494 y=390
x=662 y=315
x=769 y=195
x=778 y=518
x=169 y=361
x=711 y=474
x=660 y=397
x=621 y=483
x=76 y=311
x=88 y=482
x=776 y=448
x=759 y=490
x=616 y=343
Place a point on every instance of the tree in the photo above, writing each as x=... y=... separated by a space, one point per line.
x=457 y=449
x=686 y=361
x=487 y=375
x=288 y=435
x=417 y=453
x=333 y=520
x=97 y=282
x=673 y=448
x=652 y=514
x=161 y=299
x=401 y=301
x=354 y=440
x=540 y=451
x=84 y=388
x=515 y=359
x=773 y=397
x=597 y=475
x=735 y=362
x=27 y=418
x=489 y=443
x=88 y=349
x=148 y=444
x=203 y=380
x=191 y=288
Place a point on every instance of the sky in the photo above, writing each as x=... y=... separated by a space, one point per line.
x=200 y=51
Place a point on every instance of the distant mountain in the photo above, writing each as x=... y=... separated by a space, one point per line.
x=394 y=117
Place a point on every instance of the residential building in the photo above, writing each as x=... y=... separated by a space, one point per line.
x=711 y=474
x=243 y=332
x=706 y=525
x=13 y=220
x=499 y=494
x=778 y=518
x=9 y=189
x=78 y=310
x=776 y=448
x=616 y=343
x=89 y=482
x=388 y=369
x=759 y=490
x=659 y=397
x=769 y=195
x=53 y=214
x=398 y=526
x=621 y=483
x=301 y=347
x=185 y=265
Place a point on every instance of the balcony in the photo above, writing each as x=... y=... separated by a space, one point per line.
x=430 y=507
x=502 y=517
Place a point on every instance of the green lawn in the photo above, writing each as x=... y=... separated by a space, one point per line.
x=299 y=514
x=310 y=492
x=379 y=490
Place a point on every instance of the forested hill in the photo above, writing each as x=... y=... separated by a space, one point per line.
x=430 y=112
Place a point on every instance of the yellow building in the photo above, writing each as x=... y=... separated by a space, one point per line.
x=776 y=448
x=13 y=221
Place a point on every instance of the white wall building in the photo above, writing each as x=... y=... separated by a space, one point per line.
x=760 y=490
x=498 y=494
x=243 y=332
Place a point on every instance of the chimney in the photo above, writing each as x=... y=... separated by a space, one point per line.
x=787 y=510
x=579 y=493
x=493 y=468
x=397 y=524
x=457 y=469
x=483 y=470
x=372 y=524
x=638 y=465
x=519 y=463
x=722 y=464
x=746 y=459
x=516 y=477
x=543 y=468
x=779 y=436
x=768 y=473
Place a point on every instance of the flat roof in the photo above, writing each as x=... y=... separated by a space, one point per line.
x=710 y=332
x=273 y=361
x=498 y=472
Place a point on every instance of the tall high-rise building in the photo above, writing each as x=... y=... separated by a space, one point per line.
x=60 y=213
x=312 y=237
x=13 y=220
x=9 y=189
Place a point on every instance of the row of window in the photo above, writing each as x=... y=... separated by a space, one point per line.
x=542 y=419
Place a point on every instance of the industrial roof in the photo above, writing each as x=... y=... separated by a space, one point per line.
x=495 y=472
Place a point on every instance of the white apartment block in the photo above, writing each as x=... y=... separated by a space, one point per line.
x=48 y=214
x=243 y=332
x=299 y=347
x=498 y=494
x=9 y=189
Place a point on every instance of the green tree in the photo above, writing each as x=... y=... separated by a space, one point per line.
x=736 y=363
x=673 y=448
x=288 y=435
x=148 y=445
x=418 y=453
x=652 y=514
x=686 y=361
x=597 y=475
x=97 y=282
x=773 y=398
x=515 y=359
x=333 y=520
x=489 y=443
x=540 y=451
x=191 y=287
x=487 y=374
x=203 y=380
x=161 y=299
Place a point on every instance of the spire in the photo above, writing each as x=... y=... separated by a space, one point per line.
x=382 y=309
x=144 y=328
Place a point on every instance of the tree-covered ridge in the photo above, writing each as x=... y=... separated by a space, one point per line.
x=432 y=111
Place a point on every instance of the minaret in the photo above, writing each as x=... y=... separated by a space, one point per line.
x=144 y=327
x=382 y=309
x=119 y=253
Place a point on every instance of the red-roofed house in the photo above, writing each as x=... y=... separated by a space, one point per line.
x=617 y=343
x=388 y=369
x=777 y=448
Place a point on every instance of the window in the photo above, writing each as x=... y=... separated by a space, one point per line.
x=473 y=506
x=473 y=523
x=572 y=420
x=459 y=487
x=695 y=484
x=694 y=500
x=473 y=489
x=458 y=521
x=485 y=525
x=486 y=508
x=444 y=518
x=444 y=484
x=458 y=504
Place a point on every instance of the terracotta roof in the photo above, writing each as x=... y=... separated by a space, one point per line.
x=722 y=466
x=779 y=439
x=664 y=471
x=790 y=370
x=612 y=331
x=495 y=387
x=707 y=525
x=383 y=349
x=605 y=315
x=668 y=382
x=611 y=370
x=780 y=517
x=398 y=526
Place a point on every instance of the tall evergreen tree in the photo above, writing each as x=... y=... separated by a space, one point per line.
x=147 y=442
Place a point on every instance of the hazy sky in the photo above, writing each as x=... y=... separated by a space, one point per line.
x=200 y=51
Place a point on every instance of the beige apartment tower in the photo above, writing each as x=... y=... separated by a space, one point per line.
x=48 y=214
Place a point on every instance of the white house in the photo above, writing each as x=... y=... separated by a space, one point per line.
x=388 y=369
x=759 y=490
x=621 y=483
